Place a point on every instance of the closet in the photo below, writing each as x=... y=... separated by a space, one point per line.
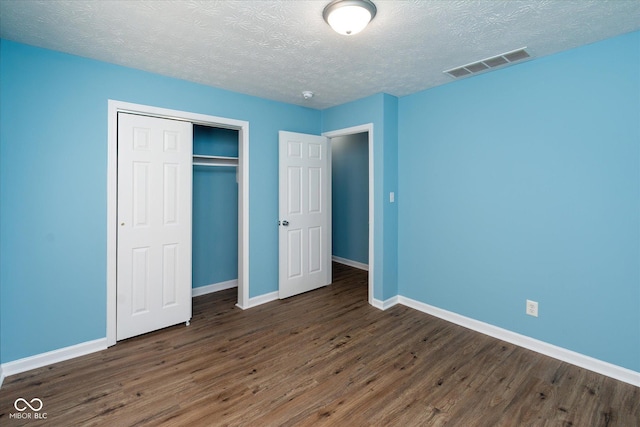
x=215 y=208
x=178 y=214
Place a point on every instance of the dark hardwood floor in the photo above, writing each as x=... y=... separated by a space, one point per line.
x=322 y=358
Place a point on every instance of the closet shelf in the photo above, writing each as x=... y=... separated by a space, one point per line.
x=201 y=160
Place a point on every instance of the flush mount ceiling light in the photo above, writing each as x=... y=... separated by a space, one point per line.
x=349 y=17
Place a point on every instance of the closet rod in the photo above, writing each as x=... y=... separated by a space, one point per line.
x=215 y=164
x=205 y=160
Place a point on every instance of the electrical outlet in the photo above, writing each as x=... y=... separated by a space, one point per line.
x=532 y=308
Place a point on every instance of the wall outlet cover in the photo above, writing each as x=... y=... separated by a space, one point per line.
x=532 y=308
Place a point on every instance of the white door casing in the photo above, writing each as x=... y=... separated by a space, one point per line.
x=305 y=213
x=154 y=224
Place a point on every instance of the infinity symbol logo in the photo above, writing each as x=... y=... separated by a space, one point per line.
x=21 y=404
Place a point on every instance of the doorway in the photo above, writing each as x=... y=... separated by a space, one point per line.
x=367 y=130
x=115 y=107
x=350 y=200
x=284 y=260
x=215 y=209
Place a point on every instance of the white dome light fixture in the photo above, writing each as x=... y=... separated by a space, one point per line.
x=349 y=17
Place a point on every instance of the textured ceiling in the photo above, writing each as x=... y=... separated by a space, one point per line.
x=277 y=49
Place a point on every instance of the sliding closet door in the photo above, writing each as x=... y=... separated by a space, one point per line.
x=154 y=224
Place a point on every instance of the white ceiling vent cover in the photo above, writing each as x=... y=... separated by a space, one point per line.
x=489 y=64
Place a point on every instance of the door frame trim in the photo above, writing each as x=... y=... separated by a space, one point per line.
x=351 y=131
x=114 y=107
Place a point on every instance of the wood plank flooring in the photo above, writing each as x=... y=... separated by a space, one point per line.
x=318 y=359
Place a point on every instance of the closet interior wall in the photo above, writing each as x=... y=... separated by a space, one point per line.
x=215 y=205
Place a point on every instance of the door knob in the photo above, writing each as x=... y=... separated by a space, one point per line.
x=285 y=223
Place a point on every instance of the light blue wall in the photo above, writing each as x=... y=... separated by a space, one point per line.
x=381 y=111
x=215 y=209
x=521 y=183
x=524 y=183
x=53 y=187
x=350 y=197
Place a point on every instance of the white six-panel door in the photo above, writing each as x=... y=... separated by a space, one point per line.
x=154 y=224
x=305 y=234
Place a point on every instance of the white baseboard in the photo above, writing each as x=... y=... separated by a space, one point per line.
x=586 y=362
x=44 y=359
x=350 y=263
x=383 y=305
x=261 y=299
x=1 y=376
x=215 y=287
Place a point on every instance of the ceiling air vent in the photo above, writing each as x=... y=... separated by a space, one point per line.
x=489 y=64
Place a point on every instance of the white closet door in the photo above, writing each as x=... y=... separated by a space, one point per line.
x=305 y=230
x=154 y=224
